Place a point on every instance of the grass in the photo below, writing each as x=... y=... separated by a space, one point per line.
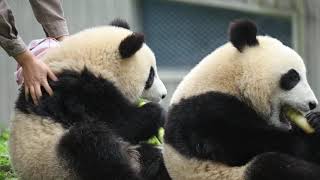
x=6 y=171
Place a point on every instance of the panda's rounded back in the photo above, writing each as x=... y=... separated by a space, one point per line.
x=216 y=72
x=32 y=148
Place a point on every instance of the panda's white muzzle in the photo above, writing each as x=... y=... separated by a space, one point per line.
x=302 y=98
x=156 y=92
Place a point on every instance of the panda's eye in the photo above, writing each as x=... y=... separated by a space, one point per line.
x=150 y=79
x=289 y=80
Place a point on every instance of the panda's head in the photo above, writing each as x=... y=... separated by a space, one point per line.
x=271 y=75
x=113 y=52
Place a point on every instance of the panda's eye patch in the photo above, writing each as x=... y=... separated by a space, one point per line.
x=150 y=79
x=289 y=80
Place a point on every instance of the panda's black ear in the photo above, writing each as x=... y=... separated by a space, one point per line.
x=131 y=44
x=120 y=23
x=243 y=33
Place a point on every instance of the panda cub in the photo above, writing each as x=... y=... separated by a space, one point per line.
x=226 y=119
x=91 y=127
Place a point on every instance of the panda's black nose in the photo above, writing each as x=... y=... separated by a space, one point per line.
x=312 y=105
x=163 y=96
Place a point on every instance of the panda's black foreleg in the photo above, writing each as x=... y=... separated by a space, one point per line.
x=314 y=139
x=152 y=164
x=94 y=151
x=142 y=123
x=276 y=166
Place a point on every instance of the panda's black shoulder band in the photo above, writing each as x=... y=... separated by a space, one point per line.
x=120 y=23
x=243 y=33
x=131 y=44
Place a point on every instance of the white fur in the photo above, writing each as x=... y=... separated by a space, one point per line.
x=156 y=91
x=32 y=148
x=252 y=76
x=182 y=168
x=97 y=49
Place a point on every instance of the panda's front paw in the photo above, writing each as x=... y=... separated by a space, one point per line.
x=154 y=113
x=150 y=117
x=314 y=120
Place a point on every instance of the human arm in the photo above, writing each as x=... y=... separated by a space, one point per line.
x=35 y=72
x=10 y=40
x=50 y=15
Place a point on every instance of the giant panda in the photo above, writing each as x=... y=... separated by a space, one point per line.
x=226 y=118
x=91 y=127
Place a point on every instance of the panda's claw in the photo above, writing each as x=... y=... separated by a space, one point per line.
x=314 y=120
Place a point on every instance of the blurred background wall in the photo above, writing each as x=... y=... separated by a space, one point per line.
x=180 y=32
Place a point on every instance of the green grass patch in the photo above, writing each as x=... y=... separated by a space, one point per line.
x=6 y=171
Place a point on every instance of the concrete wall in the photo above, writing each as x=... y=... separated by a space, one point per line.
x=312 y=43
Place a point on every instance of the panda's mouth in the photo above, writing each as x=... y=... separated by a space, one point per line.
x=284 y=119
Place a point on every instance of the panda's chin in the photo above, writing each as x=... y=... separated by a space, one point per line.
x=278 y=119
x=156 y=100
x=152 y=99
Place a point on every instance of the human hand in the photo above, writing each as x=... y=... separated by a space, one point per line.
x=35 y=75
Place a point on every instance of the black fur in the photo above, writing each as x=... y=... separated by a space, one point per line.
x=314 y=121
x=152 y=163
x=289 y=80
x=277 y=166
x=219 y=127
x=131 y=44
x=150 y=79
x=120 y=23
x=94 y=151
x=243 y=33
x=101 y=123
